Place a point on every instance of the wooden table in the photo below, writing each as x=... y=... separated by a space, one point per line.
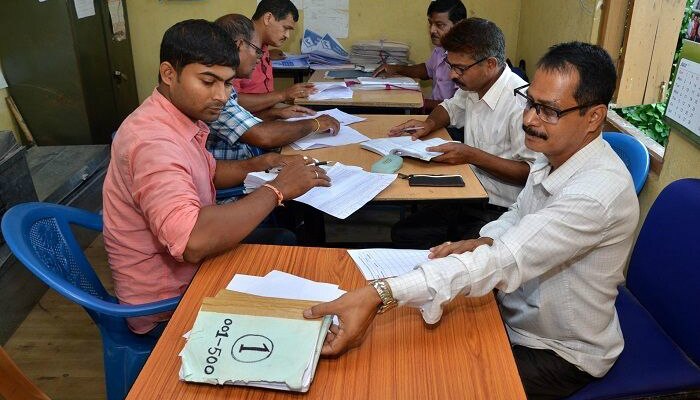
x=403 y=100
x=467 y=356
x=377 y=126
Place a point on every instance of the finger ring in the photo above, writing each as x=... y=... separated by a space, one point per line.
x=316 y=174
x=448 y=242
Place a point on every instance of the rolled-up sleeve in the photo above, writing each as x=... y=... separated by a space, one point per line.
x=165 y=192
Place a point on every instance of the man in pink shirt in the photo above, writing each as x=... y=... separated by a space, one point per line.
x=160 y=215
x=274 y=20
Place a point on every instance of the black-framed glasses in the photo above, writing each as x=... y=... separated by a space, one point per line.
x=546 y=113
x=258 y=51
x=461 y=70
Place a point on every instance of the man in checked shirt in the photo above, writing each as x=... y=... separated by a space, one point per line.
x=555 y=257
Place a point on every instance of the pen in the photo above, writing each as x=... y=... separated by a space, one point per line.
x=412 y=129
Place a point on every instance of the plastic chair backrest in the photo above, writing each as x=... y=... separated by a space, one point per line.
x=633 y=153
x=664 y=269
x=42 y=239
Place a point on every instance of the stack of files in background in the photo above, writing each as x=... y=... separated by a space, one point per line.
x=379 y=51
x=324 y=50
x=292 y=61
x=330 y=90
x=378 y=83
x=404 y=146
x=351 y=188
x=386 y=263
x=256 y=335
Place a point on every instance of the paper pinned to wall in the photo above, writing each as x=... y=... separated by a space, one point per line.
x=327 y=16
x=84 y=8
x=116 y=14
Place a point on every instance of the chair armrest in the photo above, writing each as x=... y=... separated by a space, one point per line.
x=126 y=311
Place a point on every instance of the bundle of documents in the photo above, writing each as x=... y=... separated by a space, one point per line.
x=404 y=146
x=351 y=188
x=342 y=117
x=292 y=61
x=385 y=263
x=324 y=50
x=346 y=135
x=397 y=82
x=261 y=338
x=379 y=51
x=331 y=90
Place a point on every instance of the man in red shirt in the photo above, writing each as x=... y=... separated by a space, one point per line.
x=274 y=20
x=160 y=216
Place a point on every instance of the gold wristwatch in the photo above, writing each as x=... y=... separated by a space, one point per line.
x=384 y=291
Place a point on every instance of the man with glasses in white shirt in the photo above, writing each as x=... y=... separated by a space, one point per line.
x=485 y=108
x=555 y=258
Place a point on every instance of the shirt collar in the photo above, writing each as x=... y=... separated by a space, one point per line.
x=186 y=127
x=555 y=180
x=496 y=90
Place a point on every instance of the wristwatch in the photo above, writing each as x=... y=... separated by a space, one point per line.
x=384 y=291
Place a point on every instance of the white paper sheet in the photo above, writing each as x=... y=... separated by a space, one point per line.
x=346 y=135
x=351 y=188
x=331 y=90
x=84 y=8
x=342 y=117
x=385 y=263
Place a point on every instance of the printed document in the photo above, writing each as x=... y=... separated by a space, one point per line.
x=385 y=263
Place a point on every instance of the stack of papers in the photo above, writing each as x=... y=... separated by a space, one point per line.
x=351 y=188
x=331 y=90
x=318 y=140
x=346 y=135
x=385 y=263
x=292 y=61
x=342 y=117
x=399 y=82
x=252 y=339
x=404 y=146
x=379 y=51
x=324 y=50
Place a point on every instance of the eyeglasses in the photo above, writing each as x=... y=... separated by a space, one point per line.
x=258 y=51
x=461 y=70
x=546 y=113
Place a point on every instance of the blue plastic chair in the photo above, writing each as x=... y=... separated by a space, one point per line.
x=239 y=190
x=40 y=236
x=633 y=153
x=658 y=307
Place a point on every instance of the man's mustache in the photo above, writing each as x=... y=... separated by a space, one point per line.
x=529 y=131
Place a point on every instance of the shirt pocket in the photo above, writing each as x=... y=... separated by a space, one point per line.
x=531 y=292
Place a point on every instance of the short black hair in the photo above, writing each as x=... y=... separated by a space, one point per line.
x=237 y=26
x=596 y=70
x=279 y=9
x=478 y=37
x=197 y=41
x=455 y=8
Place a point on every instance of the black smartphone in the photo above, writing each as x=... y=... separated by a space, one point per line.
x=436 y=180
